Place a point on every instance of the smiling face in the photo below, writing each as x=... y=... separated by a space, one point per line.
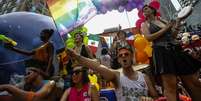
x=78 y=38
x=125 y=58
x=77 y=75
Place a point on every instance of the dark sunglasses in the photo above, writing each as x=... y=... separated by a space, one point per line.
x=76 y=72
x=123 y=54
x=28 y=73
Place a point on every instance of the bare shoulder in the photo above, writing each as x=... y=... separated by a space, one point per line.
x=68 y=90
x=163 y=20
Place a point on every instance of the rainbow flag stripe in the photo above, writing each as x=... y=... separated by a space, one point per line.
x=69 y=14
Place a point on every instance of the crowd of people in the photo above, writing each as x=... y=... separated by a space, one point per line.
x=177 y=73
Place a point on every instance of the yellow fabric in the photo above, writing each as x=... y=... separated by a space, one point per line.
x=94 y=80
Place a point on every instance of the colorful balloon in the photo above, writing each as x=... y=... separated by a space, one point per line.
x=85 y=40
x=129 y=7
x=139 y=22
x=121 y=9
x=140 y=43
x=140 y=14
x=158 y=14
x=141 y=57
x=70 y=43
x=139 y=5
x=155 y=4
x=148 y=50
x=103 y=10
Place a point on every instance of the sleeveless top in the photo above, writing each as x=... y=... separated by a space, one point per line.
x=131 y=90
x=167 y=37
x=82 y=95
x=41 y=53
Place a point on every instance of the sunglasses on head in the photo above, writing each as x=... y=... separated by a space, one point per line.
x=76 y=72
x=123 y=54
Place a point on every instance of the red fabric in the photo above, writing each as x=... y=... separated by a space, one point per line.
x=5 y=98
x=81 y=95
x=93 y=49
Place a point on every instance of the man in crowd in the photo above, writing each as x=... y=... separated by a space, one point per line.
x=130 y=85
x=34 y=89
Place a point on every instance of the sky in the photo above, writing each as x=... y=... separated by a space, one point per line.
x=112 y=19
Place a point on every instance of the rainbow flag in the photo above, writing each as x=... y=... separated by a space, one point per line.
x=69 y=14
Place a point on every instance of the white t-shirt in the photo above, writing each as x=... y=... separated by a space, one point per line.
x=131 y=90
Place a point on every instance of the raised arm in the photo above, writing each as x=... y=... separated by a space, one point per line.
x=14 y=91
x=94 y=65
x=152 y=36
x=50 y=50
x=46 y=90
x=18 y=50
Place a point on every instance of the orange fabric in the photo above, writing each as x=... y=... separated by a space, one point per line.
x=30 y=96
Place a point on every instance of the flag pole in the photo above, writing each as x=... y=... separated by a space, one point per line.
x=50 y=14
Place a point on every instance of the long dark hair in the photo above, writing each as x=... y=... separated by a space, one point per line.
x=85 y=78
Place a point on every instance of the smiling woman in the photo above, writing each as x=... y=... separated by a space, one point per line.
x=81 y=89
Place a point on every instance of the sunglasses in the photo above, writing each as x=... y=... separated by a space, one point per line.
x=28 y=73
x=123 y=54
x=76 y=72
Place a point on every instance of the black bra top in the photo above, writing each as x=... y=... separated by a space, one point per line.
x=166 y=37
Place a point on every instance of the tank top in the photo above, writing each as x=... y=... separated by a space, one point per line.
x=41 y=53
x=82 y=95
x=131 y=90
x=163 y=39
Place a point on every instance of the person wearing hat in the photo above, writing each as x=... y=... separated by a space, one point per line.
x=120 y=39
x=35 y=87
x=129 y=84
x=44 y=94
x=33 y=80
x=41 y=56
x=168 y=58
x=81 y=88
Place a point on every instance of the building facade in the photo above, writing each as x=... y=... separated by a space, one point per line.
x=193 y=22
x=184 y=3
x=38 y=6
